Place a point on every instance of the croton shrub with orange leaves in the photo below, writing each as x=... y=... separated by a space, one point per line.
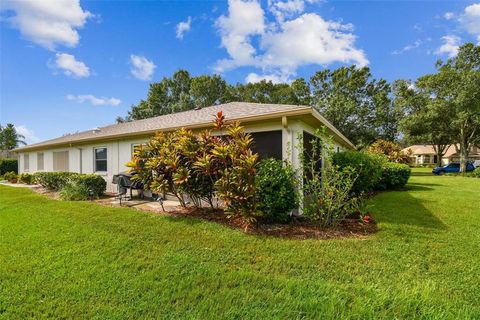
x=201 y=167
x=390 y=150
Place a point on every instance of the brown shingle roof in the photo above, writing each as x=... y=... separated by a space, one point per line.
x=191 y=118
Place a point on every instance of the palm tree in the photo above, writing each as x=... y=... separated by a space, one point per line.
x=10 y=138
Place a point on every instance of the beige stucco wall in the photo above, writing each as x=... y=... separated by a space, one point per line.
x=119 y=152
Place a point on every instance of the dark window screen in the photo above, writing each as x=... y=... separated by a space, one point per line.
x=308 y=143
x=268 y=144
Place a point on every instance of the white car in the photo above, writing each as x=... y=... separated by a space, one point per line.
x=476 y=163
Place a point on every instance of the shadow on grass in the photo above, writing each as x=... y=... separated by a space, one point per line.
x=422 y=174
x=401 y=208
x=421 y=186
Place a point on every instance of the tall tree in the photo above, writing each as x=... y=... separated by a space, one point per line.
x=357 y=105
x=457 y=84
x=208 y=91
x=428 y=117
x=10 y=138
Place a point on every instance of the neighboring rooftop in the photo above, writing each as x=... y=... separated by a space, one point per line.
x=192 y=118
x=425 y=149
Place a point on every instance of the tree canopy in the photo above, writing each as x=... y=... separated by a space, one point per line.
x=10 y=138
x=440 y=109
x=359 y=106
x=444 y=107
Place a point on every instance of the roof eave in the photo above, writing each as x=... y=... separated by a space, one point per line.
x=273 y=115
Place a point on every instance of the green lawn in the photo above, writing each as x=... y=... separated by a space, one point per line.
x=81 y=260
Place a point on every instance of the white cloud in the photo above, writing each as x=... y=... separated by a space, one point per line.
x=254 y=78
x=142 y=68
x=29 y=135
x=245 y=19
x=71 y=66
x=289 y=44
x=310 y=40
x=283 y=9
x=470 y=20
x=48 y=23
x=102 y=101
x=408 y=47
x=449 y=15
x=450 y=46
x=183 y=27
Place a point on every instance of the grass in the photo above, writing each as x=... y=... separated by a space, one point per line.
x=81 y=260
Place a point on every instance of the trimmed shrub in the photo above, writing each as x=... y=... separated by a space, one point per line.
x=391 y=150
x=367 y=167
x=476 y=173
x=74 y=191
x=11 y=177
x=92 y=182
x=26 y=178
x=58 y=180
x=394 y=176
x=53 y=180
x=8 y=165
x=275 y=189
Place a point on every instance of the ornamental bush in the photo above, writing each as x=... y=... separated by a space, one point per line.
x=8 y=165
x=275 y=189
x=327 y=189
x=10 y=176
x=74 y=191
x=394 y=176
x=93 y=183
x=53 y=180
x=26 y=178
x=391 y=150
x=367 y=167
x=56 y=181
x=328 y=199
x=476 y=173
x=202 y=167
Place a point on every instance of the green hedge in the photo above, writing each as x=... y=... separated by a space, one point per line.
x=10 y=176
x=92 y=182
x=275 y=190
x=475 y=173
x=26 y=178
x=58 y=180
x=53 y=180
x=367 y=166
x=394 y=176
x=8 y=165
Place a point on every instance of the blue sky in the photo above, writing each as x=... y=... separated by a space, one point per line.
x=69 y=65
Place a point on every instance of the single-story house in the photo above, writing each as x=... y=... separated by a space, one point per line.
x=425 y=154
x=275 y=129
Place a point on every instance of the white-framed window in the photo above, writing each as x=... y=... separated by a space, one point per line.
x=100 y=157
x=60 y=161
x=26 y=162
x=40 y=165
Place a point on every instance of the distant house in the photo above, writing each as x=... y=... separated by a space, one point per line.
x=276 y=130
x=424 y=154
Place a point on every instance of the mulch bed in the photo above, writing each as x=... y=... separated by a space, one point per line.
x=298 y=228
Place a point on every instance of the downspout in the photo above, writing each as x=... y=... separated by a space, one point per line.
x=80 y=160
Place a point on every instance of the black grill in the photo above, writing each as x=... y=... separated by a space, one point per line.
x=124 y=183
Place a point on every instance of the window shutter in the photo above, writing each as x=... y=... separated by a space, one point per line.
x=60 y=161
